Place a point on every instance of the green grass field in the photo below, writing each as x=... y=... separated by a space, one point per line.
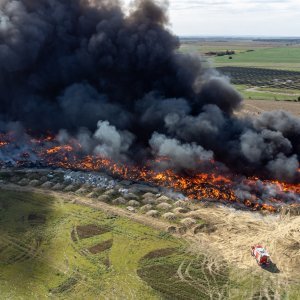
x=282 y=58
x=44 y=251
x=266 y=93
x=51 y=249
x=263 y=55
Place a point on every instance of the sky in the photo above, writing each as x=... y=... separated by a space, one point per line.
x=270 y=18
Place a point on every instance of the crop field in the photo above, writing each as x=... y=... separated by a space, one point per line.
x=54 y=249
x=280 y=55
x=259 y=106
x=266 y=84
x=281 y=58
x=260 y=70
x=277 y=79
x=50 y=248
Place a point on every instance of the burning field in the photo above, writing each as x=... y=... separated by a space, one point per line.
x=89 y=86
x=213 y=185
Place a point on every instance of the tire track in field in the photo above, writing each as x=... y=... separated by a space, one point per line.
x=77 y=216
x=27 y=250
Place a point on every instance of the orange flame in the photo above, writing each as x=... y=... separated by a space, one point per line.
x=2 y=143
x=57 y=149
x=211 y=186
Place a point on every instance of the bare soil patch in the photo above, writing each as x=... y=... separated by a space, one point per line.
x=35 y=219
x=160 y=253
x=256 y=107
x=87 y=231
x=101 y=247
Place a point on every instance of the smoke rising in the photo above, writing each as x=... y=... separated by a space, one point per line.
x=181 y=156
x=117 y=83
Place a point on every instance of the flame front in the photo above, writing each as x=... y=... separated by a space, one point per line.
x=199 y=186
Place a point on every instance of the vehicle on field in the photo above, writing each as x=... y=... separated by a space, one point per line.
x=261 y=255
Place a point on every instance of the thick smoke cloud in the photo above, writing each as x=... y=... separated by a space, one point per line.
x=180 y=156
x=106 y=141
x=117 y=83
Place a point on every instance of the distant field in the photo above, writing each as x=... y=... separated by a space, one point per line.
x=203 y=46
x=282 y=58
x=275 y=79
x=259 y=69
x=272 y=55
x=259 y=106
x=266 y=84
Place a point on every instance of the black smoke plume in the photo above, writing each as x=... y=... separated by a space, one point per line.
x=118 y=82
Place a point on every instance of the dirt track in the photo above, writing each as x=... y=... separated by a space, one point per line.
x=235 y=232
x=258 y=106
x=157 y=224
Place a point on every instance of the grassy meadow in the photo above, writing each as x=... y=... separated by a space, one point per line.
x=51 y=249
x=281 y=58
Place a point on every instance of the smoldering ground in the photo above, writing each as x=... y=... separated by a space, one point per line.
x=118 y=83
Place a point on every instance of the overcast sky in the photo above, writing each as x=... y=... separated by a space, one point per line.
x=235 y=17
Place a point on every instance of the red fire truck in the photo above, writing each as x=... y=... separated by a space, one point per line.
x=261 y=255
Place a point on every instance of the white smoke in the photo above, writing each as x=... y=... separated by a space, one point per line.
x=111 y=142
x=181 y=156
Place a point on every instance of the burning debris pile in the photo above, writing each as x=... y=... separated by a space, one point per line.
x=213 y=185
x=90 y=179
x=101 y=90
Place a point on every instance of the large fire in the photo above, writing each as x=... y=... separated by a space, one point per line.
x=211 y=186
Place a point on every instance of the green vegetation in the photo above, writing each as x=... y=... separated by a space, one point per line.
x=213 y=46
x=265 y=84
x=249 y=53
x=160 y=270
x=50 y=248
x=264 y=64
x=249 y=92
x=283 y=58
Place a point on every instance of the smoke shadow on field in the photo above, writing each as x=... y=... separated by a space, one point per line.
x=24 y=229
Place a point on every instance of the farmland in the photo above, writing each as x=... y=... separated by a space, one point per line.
x=259 y=69
x=49 y=248
x=281 y=57
x=54 y=248
x=255 y=107
x=268 y=84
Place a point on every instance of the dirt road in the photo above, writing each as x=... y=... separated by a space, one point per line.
x=255 y=107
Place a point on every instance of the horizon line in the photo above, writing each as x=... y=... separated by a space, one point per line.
x=238 y=36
